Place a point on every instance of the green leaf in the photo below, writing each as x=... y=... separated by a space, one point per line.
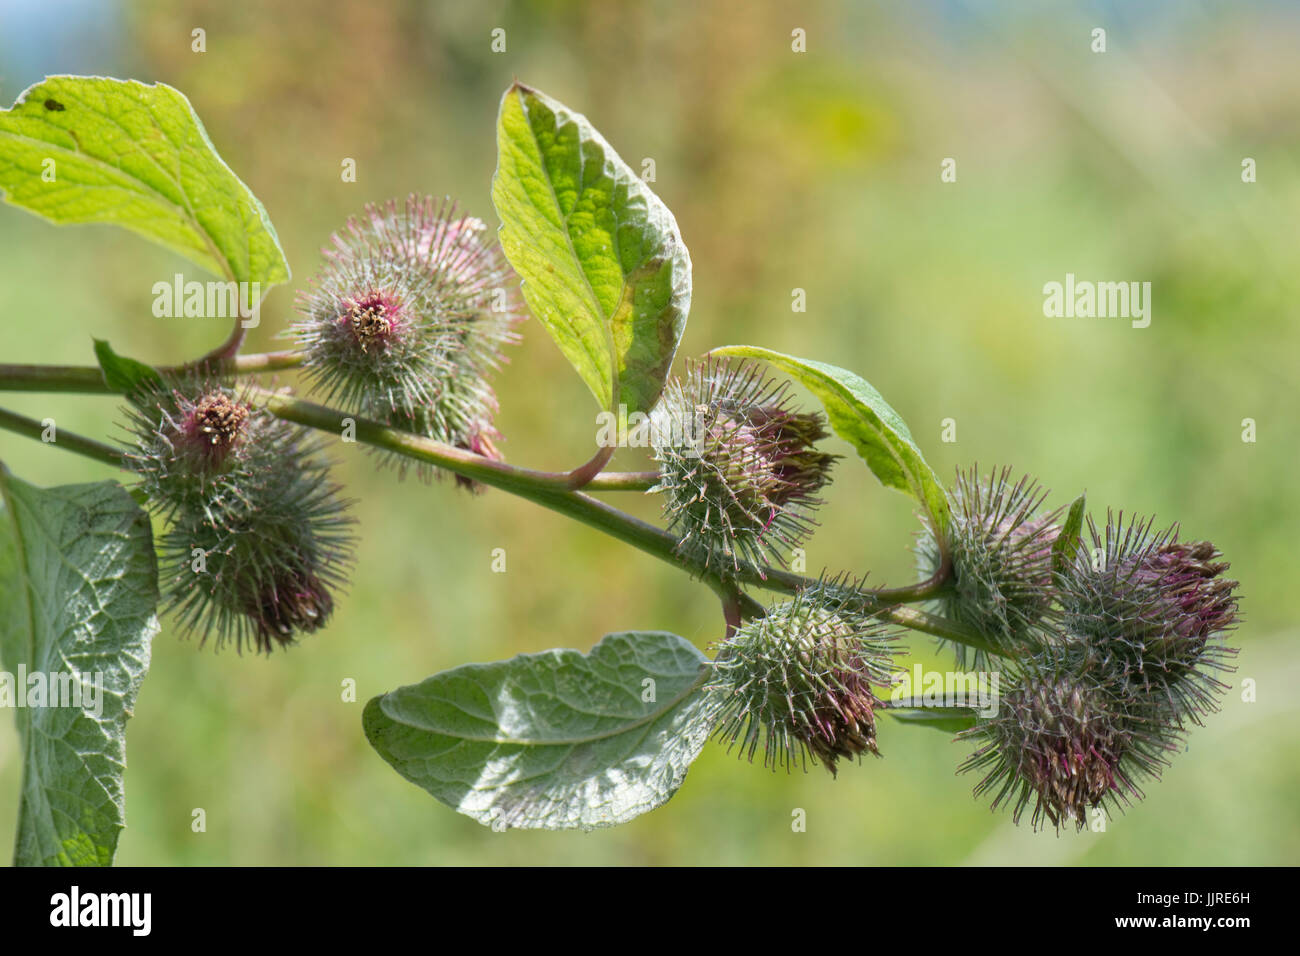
x=1067 y=539
x=602 y=261
x=555 y=741
x=950 y=720
x=133 y=379
x=865 y=420
x=81 y=149
x=78 y=595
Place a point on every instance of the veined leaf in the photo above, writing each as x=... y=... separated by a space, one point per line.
x=84 y=149
x=602 y=261
x=558 y=740
x=865 y=420
x=78 y=595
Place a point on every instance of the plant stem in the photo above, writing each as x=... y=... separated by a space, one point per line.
x=548 y=489
x=89 y=380
x=731 y=614
x=542 y=488
x=624 y=481
x=582 y=476
x=86 y=379
x=246 y=364
x=69 y=441
x=229 y=348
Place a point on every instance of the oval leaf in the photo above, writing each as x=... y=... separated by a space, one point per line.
x=602 y=261
x=865 y=420
x=80 y=149
x=558 y=740
x=78 y=594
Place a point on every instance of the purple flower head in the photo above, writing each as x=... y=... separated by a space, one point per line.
x=210 y=428
x=294 y=601
x=257 y=537
x=373 y=319
x=738 y=467
x=1066 y=738
x=407 y=320
x=1156 y=607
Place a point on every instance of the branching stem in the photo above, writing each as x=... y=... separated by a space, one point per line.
x=548 y=489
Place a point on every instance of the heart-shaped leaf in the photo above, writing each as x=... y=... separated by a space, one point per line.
x=558 y=740
x=82 y=149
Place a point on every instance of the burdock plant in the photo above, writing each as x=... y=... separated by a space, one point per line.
x=1067 y=738
x=1119 y=673
x=999 y=545
x=1111 y=642
x=1157 y=608
x=739 y=470
x=406 y=321
x=800 y=681
x=258 y=538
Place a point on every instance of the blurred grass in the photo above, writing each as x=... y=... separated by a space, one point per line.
x=817 y=171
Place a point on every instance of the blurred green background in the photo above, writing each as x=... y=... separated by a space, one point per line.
x=817 y=171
